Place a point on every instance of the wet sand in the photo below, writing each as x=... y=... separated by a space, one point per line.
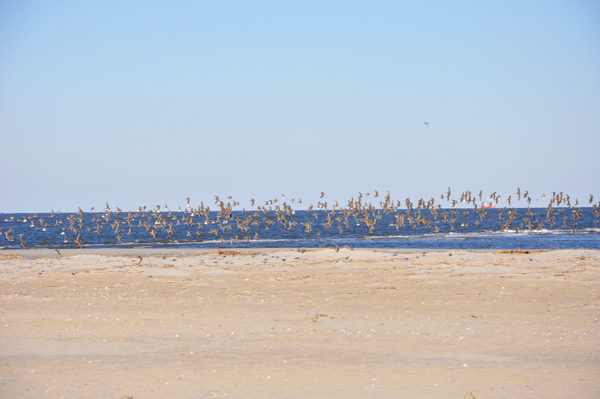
x=292 y=324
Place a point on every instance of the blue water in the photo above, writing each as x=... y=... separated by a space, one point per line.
x=237 y=229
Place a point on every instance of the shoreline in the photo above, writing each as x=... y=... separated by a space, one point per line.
x=35 y=253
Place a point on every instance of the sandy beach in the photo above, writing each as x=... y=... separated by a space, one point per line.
x=158 y=323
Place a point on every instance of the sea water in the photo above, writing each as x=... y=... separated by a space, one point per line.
x=531 y=228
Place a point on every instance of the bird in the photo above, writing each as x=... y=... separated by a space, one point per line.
x=426 y=123
x=276 y=213
x=22 y=242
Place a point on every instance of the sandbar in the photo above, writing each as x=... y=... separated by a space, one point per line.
x=299 y=323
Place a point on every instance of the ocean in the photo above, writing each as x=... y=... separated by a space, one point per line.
x=283 y=227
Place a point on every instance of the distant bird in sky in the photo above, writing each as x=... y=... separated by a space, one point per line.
x=426 y=123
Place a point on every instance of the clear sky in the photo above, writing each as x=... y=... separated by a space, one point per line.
x=147 y=103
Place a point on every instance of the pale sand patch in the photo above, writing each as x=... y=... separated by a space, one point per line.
x=292 y=324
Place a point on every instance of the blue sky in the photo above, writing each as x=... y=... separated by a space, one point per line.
x=147 y=103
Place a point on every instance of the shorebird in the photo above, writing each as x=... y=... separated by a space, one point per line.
x=365 y=214
x=22 y=242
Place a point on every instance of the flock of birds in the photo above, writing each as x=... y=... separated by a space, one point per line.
x=246 y=225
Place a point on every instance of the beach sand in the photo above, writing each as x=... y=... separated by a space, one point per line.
x=292 y=324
